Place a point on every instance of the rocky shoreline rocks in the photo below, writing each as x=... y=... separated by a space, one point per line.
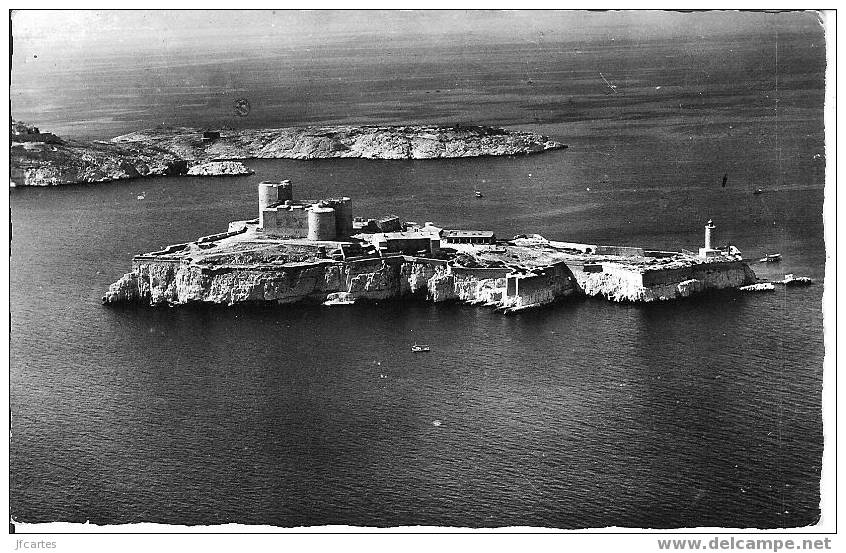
x=219 y=169
x=42 y=159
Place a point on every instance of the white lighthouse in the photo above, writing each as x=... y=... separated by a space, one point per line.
x=709 y=227
x=707 y=251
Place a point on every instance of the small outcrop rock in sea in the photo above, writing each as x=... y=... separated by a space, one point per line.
x=220 y=169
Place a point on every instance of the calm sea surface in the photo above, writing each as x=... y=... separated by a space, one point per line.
x=704 y=412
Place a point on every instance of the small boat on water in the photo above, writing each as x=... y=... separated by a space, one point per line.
x=771 y=258
x=338 y=301
x=417 y=349
x=478 y=194
x=790 y=280
x=758 y=191
x=339 y=298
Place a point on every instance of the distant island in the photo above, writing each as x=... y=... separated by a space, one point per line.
x=44 y=159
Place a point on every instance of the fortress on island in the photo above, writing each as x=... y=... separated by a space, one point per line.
x=280 y=215
x=331 y=220
x=319 y=251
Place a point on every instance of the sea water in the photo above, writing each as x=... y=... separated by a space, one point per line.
x=702 y=412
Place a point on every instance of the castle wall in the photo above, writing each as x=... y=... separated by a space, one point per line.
x=406 y=244
x=622 y=251
x=287 y=222
x=542 y=287
x=390 y=223
x=620 y=283
x=267 y=219
x=702 y=271
x=482 y=272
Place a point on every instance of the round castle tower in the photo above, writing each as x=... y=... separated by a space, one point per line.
x=343 y=216
x=273 y=193
x=321 y=223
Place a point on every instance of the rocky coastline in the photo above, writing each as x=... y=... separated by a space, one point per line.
x=164 y=282
x=42 y=159
x=161 y=283
x=219 y=169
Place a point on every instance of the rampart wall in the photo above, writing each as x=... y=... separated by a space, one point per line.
x=700 y=271
x=621 y=283
x=286 y=222
x=622 y=251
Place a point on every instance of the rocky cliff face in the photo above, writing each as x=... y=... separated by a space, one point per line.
x=174 y=282
x=634 y=287
x=157 y=282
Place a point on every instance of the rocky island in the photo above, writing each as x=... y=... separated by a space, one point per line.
x=43 y=159
x=315 y=250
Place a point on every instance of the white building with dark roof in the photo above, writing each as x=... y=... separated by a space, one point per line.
x=469 y=237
